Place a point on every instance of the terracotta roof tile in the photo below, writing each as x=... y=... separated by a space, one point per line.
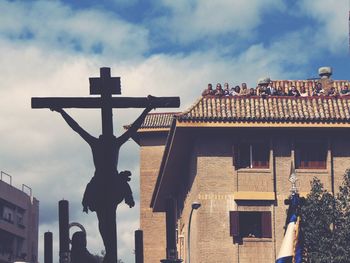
x=284 y=109
x=259 y=109
x=157 y=120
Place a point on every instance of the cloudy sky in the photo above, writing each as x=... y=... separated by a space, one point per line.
x=158 y=47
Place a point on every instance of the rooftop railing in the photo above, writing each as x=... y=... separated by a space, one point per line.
x=25 y=188
x=2 y=174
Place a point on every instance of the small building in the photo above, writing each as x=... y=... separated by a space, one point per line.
x=19 y=218
x=234 y=155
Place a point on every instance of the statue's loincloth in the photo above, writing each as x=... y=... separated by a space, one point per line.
x=102 y=192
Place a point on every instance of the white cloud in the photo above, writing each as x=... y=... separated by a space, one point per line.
x=194 y=20
x=57 y=26
x=333 y=18
x=187 y=75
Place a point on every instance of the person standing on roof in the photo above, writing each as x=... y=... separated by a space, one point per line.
x=294 y=92
x=208 y=91
x=226 y=89
x=219 y=92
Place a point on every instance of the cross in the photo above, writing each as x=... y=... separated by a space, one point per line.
x=105 y=86
x=107 y=182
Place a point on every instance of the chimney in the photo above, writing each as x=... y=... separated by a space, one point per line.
x=325 y=72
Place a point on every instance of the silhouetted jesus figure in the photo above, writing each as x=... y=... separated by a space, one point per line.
x=107 y=187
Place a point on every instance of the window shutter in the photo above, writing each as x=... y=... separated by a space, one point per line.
x=311 y=155
x=266 y=229
x=234 y=223
x=244 y=155
x=261 y=155
x=235 y=156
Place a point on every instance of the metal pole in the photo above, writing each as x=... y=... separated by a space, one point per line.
x=63 y=217
x=138 y=246
x=48 y=247
x=195 y=206
x=189 y=238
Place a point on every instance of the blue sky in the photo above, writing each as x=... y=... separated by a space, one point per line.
x=160 y=47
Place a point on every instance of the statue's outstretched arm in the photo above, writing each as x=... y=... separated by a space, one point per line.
x=136 y=124
x=75 y=126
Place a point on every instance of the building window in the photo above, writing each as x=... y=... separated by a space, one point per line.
x=6 y=243
x=311 y=155
x=252 y=155
x=250 y=224
x=20 y=221
x=7 y=214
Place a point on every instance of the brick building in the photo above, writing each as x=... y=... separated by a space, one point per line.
x=19 y=218
x=234 y=156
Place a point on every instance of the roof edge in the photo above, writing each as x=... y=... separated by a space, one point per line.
x=168 y=146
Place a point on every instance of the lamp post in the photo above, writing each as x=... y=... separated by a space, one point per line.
x=195 y=206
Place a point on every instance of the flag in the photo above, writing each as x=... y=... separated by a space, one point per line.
x=291 y=248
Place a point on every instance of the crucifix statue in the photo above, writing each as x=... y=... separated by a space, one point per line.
x=108 y=187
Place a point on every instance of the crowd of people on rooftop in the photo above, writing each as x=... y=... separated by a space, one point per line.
x=267 y=89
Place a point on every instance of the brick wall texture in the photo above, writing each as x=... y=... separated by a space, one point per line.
x=152 y=224
x=214 y=182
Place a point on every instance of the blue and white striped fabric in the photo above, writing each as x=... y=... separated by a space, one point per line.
x=291 y=249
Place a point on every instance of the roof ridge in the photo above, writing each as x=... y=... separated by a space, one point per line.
x=193 y=105
x=163 y=113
